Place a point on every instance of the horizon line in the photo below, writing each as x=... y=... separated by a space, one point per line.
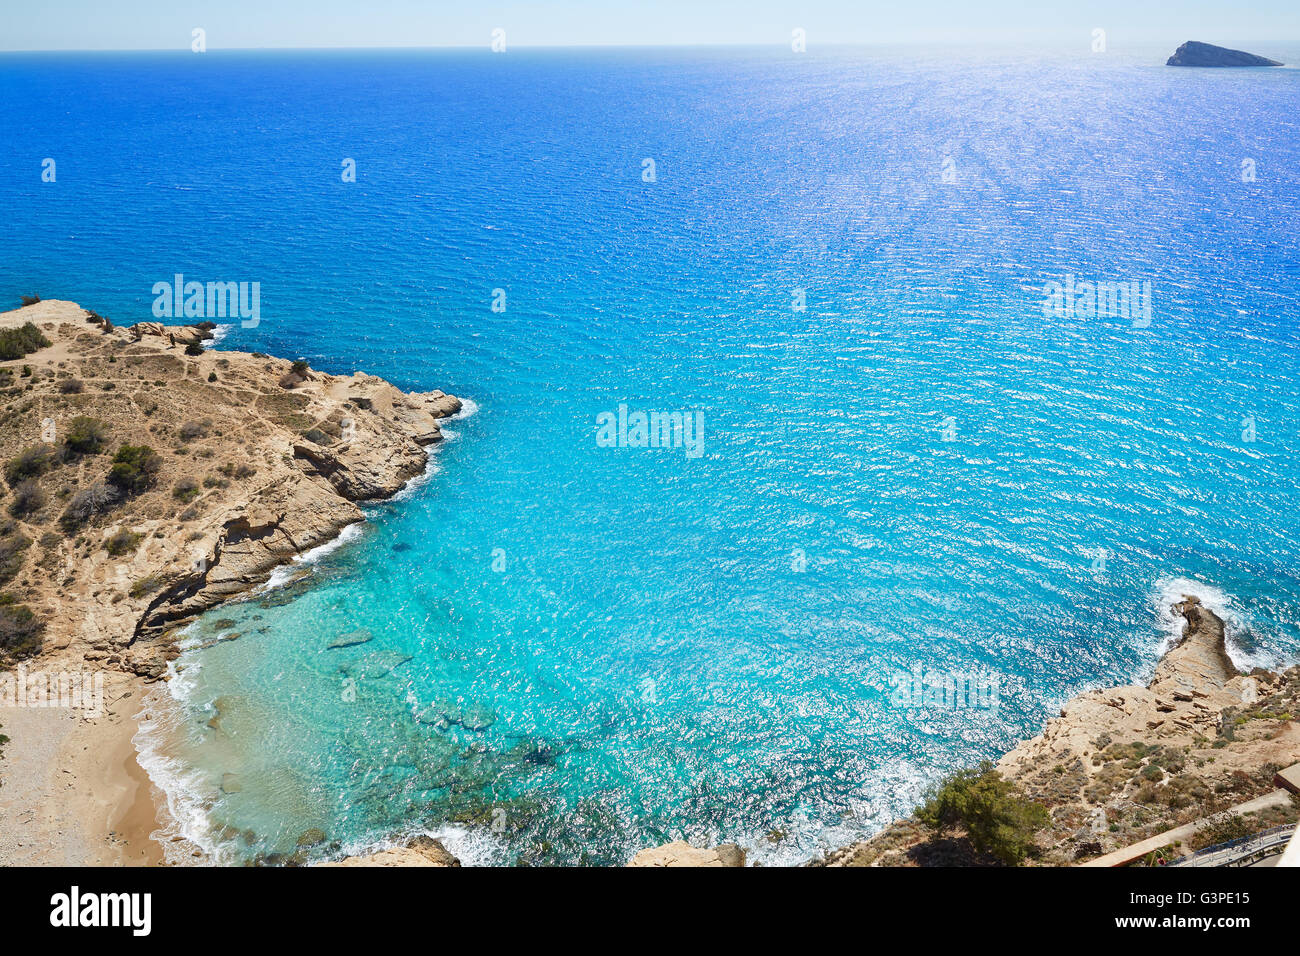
x=984 y=43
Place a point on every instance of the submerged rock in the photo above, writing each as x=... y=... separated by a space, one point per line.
x=376 y=665
x=351 y=639
x=313 y=837
x=1194 y=53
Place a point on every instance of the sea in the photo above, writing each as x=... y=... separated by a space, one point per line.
x=935 y=375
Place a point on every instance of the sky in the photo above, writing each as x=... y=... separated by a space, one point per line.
x=168 y=24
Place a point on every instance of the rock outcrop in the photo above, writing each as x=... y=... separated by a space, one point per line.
x=681 y=853
x=422 y=851
x=1194 y=53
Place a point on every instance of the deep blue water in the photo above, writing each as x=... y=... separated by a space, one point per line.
x=919 y=469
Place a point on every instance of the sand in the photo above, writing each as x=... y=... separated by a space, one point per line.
x=71 y=789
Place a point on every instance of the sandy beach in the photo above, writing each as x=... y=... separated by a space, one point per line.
x=74 y=793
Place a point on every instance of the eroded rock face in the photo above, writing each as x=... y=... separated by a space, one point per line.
x=681 y=853
x=287 y=519
x=1195 y=53
x=422 y=851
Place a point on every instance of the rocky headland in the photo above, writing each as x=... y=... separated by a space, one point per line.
x=148 y=479
x=421 y=851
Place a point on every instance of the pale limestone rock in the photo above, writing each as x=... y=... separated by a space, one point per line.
x=681 y=853
x=422 y=851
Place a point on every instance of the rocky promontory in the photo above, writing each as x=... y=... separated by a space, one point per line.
x=1195 y=53
x=148 y=478
x=680 y=853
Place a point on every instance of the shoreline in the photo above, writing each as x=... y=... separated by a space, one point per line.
x=1119 y=765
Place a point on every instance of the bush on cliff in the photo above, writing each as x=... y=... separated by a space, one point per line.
x=86 y=436
x=20 y=629
x=996 y=818
x=32 y=462
x=28 y=499
x=134 y=468
x=187 y=489
x=20 y=342
x=13 y=544
x=122 y=542
x=89 y=502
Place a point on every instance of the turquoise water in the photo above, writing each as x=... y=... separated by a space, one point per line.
x=577 y=651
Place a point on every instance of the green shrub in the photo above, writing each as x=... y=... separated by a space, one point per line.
x=20 y=628
x=30 y=463
x=300 y=368
x=122 y=542
x=146 y=586
x=135 y=467
x=998 y=820
x=71 y=386
x=1231 y=828
x=194 y=348
x=187 y=489
x=27 y=300
x=13 y=544
x=28 y=499
x=20 y=342
x=86 y=436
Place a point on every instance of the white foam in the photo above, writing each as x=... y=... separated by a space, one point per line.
x=408 y=490
x=187 y=828
x=219 y=333
x=468 y=407
x=1171 y=590
x=282 y=575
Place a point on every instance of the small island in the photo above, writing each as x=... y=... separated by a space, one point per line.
x=1194 y=53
